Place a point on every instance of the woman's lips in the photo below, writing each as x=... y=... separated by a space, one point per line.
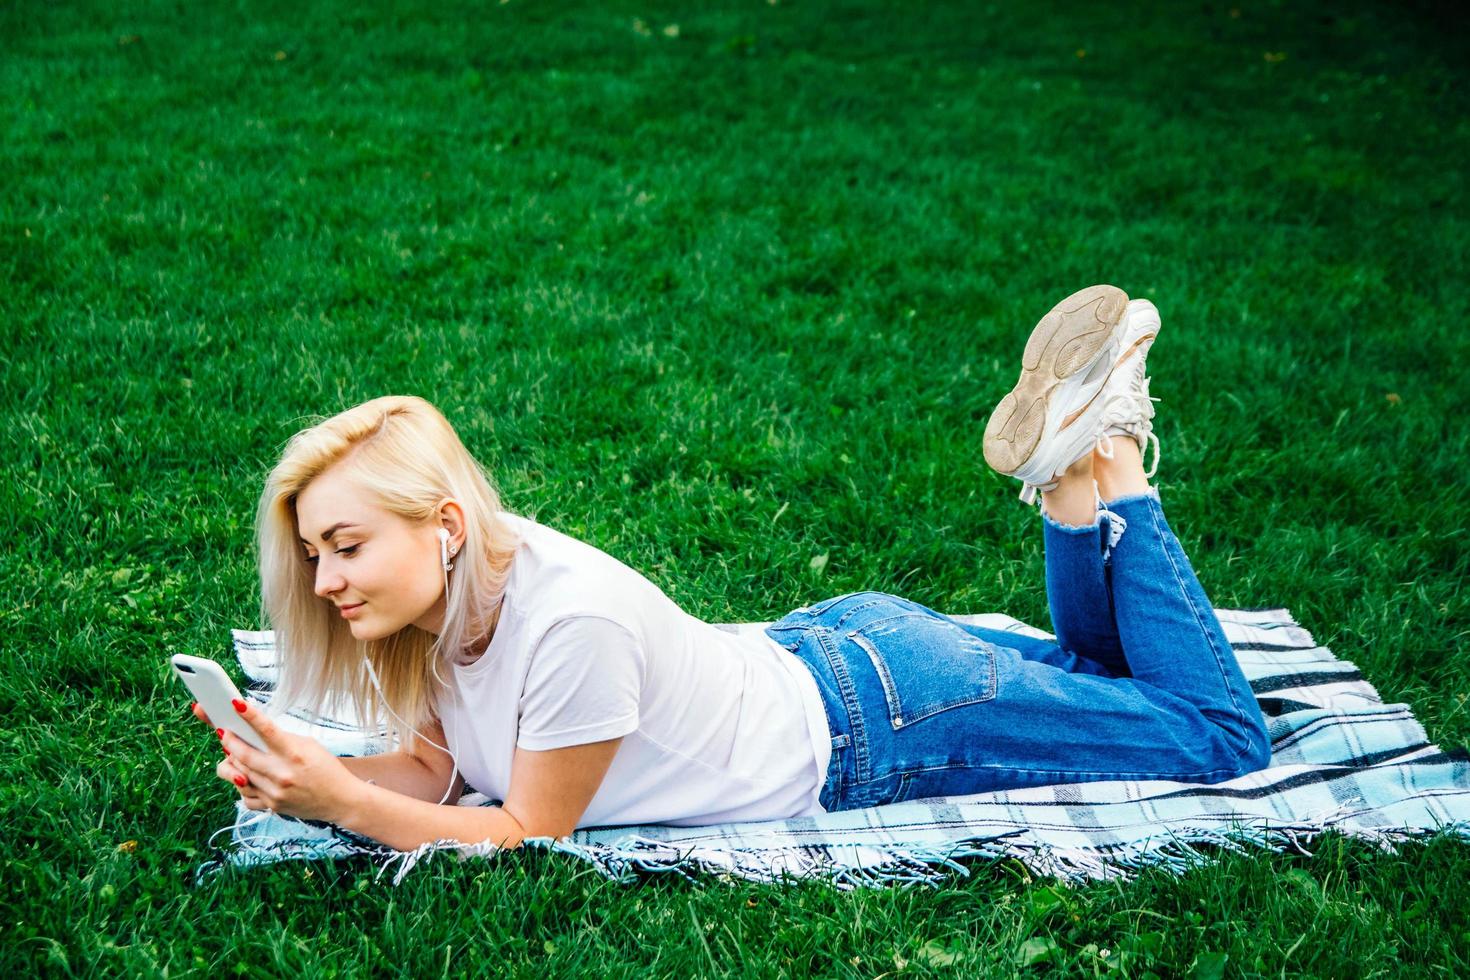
x=349 y=611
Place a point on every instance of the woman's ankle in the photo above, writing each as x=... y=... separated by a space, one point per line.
x=1074 y=501
x=1121 y=476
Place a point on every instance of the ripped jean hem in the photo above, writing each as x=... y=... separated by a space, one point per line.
x=1128 y=498
x=1101 y=508
x=1116 y=525
x=1071 y=528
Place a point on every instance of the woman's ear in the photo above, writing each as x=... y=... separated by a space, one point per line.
x=451 y=518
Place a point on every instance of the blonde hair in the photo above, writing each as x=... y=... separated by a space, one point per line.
x=407 y=455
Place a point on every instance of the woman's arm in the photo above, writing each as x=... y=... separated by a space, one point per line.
x=422 y=772
x=549 y=792
x=405 y=823
x=404 y=773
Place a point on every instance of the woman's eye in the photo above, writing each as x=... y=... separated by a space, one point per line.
x=311 y=559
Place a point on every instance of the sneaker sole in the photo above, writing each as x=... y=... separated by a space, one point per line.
x=1065 y=341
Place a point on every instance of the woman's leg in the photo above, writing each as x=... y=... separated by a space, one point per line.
x=1181 y=702
x=1166 y=622
x=1078 y=595
x=1077 y=590
x=923 y=707
x=1121 y=476
x=1040 y=651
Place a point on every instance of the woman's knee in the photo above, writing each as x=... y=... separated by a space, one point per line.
x=1258 y=747
x=1247 y=746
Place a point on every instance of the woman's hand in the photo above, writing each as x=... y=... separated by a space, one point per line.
x=296 y=777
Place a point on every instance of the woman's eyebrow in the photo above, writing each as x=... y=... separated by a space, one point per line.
x=327 y=534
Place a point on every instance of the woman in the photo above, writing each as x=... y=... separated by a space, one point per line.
x=556 y=679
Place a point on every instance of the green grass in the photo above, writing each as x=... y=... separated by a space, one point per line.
x=719 y=303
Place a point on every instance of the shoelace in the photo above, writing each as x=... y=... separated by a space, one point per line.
x=1131 y=410
x=1116 y=524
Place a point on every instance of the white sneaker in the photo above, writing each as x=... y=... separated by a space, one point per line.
x=1128 y=408
x=1051 y=418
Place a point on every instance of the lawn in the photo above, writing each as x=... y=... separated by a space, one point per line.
x=728 y=291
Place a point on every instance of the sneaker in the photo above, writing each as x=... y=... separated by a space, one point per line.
x=1128 y=408
x=1050 y=419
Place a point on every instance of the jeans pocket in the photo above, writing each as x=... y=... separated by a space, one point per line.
x=926 y=665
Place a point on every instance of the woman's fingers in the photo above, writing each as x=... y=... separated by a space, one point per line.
x=252 y=781
x=250 y=794
x=252 y=761
x=199 y=713
x=231 y=773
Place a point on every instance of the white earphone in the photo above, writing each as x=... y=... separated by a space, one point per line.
x=444 y=551
x=454 y=771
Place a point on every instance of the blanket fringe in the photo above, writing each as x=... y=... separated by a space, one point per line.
x=857 y=866
x=897 y=865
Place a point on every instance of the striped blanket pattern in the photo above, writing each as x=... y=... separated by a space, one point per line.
x=1342 y=760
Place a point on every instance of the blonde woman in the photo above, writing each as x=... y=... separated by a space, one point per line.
x=565 y=685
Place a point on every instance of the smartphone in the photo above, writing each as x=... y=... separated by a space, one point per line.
x=214 y=691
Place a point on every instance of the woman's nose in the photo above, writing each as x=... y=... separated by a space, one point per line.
x=327 y=582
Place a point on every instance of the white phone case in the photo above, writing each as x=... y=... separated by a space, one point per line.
x=214 y=691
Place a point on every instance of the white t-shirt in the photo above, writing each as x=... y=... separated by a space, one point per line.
x=716 y=726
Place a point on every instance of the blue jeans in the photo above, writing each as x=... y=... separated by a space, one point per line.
x=1140 y=682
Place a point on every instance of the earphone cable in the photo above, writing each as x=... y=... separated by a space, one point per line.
x=454 y=770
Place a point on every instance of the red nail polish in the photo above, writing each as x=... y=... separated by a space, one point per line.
x=220 y=732
x=239 y=780
x=227 y=751
x=193 y=706
x=239 y=705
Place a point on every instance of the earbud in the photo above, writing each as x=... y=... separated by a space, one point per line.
x=445 y=552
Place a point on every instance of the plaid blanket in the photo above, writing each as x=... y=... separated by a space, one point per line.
x=1342 y=760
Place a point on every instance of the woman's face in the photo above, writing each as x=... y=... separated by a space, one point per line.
x=383 y=570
